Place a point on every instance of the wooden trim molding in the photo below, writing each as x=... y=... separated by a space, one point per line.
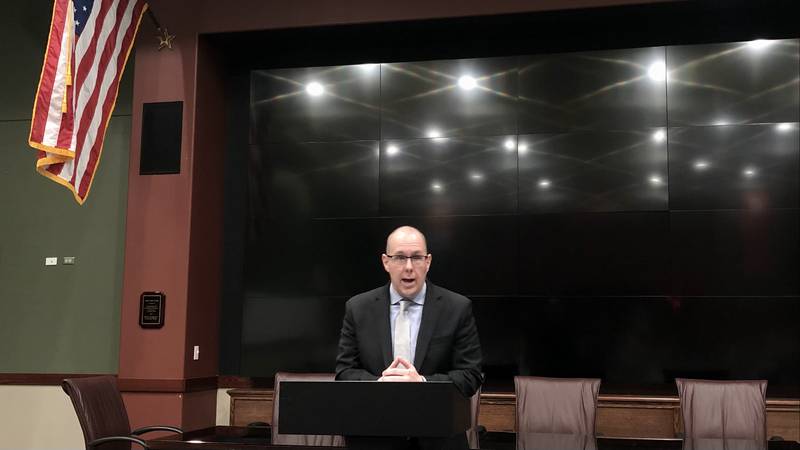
x=168 y=385
x=125 y=384
x=42 y=379
x=508 y=398
x=238 y=382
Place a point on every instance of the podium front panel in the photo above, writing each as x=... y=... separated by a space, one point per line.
x=372 y=408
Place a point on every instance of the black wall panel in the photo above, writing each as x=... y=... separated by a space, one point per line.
x=624 y=213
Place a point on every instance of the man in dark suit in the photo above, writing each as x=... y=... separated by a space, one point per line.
x=410 y=330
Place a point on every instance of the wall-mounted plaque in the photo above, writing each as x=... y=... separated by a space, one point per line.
x=151 y=310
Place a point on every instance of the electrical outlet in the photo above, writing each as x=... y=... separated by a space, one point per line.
x=69 y=260
x=51 y=261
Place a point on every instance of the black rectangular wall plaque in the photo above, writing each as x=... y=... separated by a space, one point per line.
x=161 y=138
x=151 y=310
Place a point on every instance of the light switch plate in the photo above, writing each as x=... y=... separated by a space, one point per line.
x=51 y=261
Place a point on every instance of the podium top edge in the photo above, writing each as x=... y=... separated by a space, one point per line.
x=369 y=382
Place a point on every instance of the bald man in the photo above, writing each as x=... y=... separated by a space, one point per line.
x=410 y=330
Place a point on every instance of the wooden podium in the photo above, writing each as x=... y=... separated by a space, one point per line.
x=373 y=409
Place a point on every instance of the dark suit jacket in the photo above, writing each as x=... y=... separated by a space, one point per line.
x=448 y=348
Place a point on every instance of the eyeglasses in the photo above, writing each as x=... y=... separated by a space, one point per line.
x=400 y=260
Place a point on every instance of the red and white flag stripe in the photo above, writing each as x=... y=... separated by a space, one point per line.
x=78 y=87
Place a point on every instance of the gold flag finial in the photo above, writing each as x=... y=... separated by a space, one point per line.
x=165 y=39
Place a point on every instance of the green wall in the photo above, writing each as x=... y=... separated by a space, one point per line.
x=56 y=319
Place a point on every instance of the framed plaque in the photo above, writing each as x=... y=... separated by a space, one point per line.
x=151 y=309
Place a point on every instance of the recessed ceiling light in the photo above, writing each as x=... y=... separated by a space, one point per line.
x=467 y=83
x=759 y=44
x=657 y=71
x=314 y=89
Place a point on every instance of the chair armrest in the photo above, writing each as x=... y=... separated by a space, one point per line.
x=143 y=430
x=103 y=440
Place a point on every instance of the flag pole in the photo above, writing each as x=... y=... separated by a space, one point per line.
x=164 y=38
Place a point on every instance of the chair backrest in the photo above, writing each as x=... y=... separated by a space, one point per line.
x=474 y=411
x=100 y=409
x=299 y=439
x=556 y=405
x=723 y=409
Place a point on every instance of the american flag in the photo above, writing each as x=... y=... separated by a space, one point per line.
x=86 y=53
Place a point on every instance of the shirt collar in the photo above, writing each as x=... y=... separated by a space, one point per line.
x=419 y=299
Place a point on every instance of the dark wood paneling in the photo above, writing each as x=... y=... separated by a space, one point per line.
x=251 y=405
x=497 y=412
x=629 y=416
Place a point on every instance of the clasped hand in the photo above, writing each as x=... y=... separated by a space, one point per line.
x=400 y=369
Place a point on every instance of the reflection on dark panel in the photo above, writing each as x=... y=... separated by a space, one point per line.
x=735 y=252
x=322 y=179
x=734 y=83
x=726 y=167
x=609 y=90
x=744 y=338
x=642 y=341
x=593 y=171
x=500 y=321
x=347 y=255
x=449 y=176
x=472 y=255
x=290 y=333
x=594 y=254
x=315 y=103
x=593 y=240
x=449 y=98
x=278 y=257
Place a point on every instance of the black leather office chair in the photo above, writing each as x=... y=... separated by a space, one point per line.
x=556 y=405
x=475 y=430
x=723 y=409
x=102 y=414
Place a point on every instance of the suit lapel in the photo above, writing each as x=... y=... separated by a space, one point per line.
x=384 y=330
x=430 y=314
